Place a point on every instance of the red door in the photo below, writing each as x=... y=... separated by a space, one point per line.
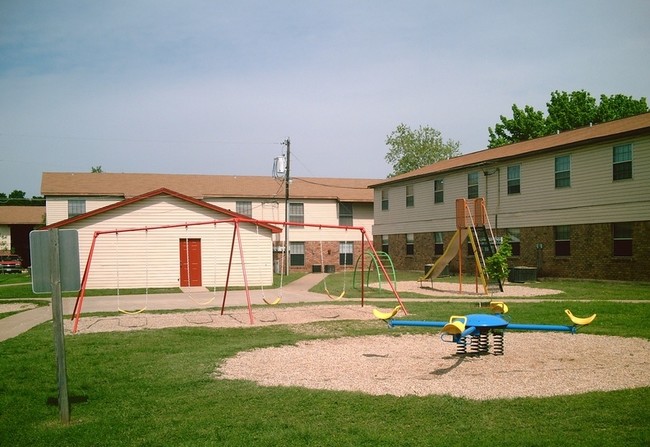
x=190 y=255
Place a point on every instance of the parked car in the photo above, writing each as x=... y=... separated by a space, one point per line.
x=11 y=264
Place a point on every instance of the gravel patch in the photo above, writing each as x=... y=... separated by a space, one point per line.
x=15 y=307
x=533 y=365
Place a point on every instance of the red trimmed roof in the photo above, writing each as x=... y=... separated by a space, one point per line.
x=157 y=192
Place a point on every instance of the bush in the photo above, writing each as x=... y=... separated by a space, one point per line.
x=497 y=264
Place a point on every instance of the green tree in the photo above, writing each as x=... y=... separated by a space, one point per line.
x=412 y=149
x=96 y=169
x=565 y=111
x=525 y=124
x=568 y=111
x=619 y=106
x=17 y=194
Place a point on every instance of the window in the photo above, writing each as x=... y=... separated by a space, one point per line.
x=438 y=244
x=472 y=185
x=562 y=240
x=346 y=253
x=622 y=162
x=345 y=214
x=76 y=207
x=410 y=198
x=514 y=179
x=438 y=191
x=622 y=235
x=245 y=208
x=384 y=199
x=515 y=242
x=297 y=250
x=384 y=243
x=297 y=213
x=563 y=171
x=410 y=245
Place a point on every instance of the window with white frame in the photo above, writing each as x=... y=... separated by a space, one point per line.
x=438 y=191
x=346 y=253
x=76 y=207
x=438 y=243
x=562 y=235
x=514 y=179
x=345 y=214
x=297 y=253
x=384 y=243
x=384 y=200
x=563 y=171
x=410 y=198
x=622 y=239
x=410 y=244
x=244 y=207
x=472 y=185
x=622 y=162
x=297 y=213
x=514 y=234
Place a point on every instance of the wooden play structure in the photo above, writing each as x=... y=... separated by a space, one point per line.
x=472 y=223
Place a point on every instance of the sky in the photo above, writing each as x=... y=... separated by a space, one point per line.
x=215 y=86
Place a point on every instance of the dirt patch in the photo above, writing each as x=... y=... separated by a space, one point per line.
x=298 y=316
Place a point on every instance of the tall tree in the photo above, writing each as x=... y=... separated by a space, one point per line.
x=525 y=124
x=17 y=194
x=412 y=149
x=566 y=111
x=619 y=106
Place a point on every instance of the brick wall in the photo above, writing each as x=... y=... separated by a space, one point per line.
x=591 y=253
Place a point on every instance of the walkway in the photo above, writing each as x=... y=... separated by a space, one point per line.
x=294 y=292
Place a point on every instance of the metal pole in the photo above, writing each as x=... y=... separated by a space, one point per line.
x=287 y=180
x=57 y=319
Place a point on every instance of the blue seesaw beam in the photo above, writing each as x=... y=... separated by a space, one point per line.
x=486 y=321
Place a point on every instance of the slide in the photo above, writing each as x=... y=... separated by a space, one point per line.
x=449 y=254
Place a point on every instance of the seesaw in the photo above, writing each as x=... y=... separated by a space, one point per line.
x=473 y=330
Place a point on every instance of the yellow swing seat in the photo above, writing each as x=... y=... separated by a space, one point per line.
x=274 y=302
x=385 y=315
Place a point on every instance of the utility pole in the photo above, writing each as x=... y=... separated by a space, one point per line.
x=287 y=181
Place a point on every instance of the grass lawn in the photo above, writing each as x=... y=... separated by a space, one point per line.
x=155 y=387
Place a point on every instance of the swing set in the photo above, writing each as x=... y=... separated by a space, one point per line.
x=236 y=224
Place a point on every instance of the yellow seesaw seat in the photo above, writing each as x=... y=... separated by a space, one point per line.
x=385 y=315
x=580 y=321
x=455 y=326
x=498 y=307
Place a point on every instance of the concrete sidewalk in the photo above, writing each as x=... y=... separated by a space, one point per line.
x=294 y=292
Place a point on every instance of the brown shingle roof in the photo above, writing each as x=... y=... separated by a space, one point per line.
x=639 y=124
x=22 y=215
x=203 y=186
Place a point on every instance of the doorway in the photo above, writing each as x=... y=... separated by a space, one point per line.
x=190 y=265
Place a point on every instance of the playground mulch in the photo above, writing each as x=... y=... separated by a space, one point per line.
x=533 y=365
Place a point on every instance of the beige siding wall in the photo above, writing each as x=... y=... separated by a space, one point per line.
x=324 y=212
x=152 y=258
x=56 y=208
x=592 y=197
